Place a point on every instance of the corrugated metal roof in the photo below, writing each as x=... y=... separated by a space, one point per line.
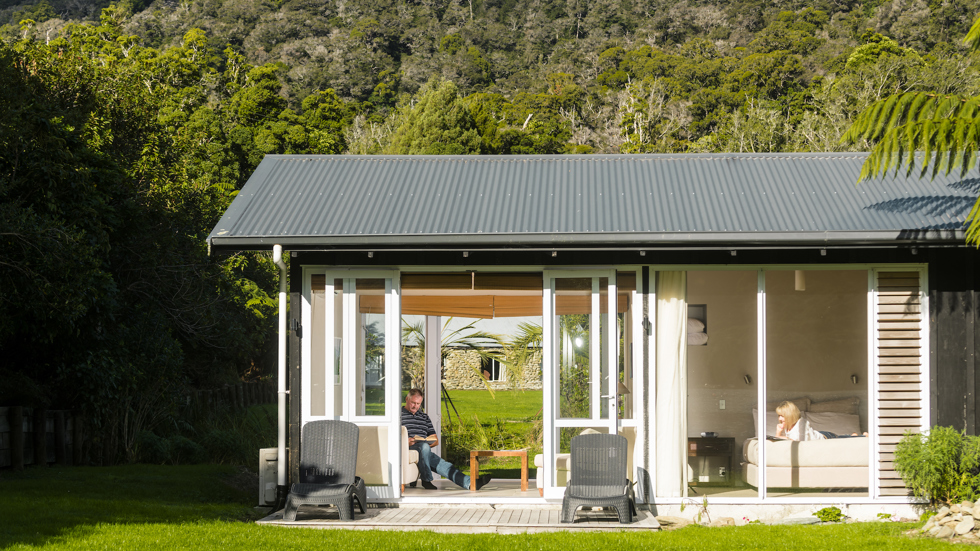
x=309 y=201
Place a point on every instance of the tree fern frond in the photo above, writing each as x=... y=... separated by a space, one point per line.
x=957 y=154
x=973 y=225
x=973 y=36
x=927 y=144
x=921 y=103
x=947 y=107
x=863 y=126
x=940 y=146
x=971 y=108
x=892 y=112
x=972 y=145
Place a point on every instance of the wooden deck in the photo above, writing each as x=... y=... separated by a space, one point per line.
x=469 y=519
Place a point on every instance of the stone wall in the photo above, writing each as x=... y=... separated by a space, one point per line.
x=462 y=372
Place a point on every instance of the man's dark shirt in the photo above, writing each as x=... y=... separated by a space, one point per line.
x=418 y=425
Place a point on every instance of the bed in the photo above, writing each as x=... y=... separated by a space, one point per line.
x=833 y=463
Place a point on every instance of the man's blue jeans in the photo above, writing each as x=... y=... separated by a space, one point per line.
x=430 y=461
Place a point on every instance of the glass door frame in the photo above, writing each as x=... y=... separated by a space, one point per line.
x=552 y=421
x=348 y=357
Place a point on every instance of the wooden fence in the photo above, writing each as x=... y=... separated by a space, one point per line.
x=61 y=438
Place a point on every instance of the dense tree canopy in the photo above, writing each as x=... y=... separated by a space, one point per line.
x=126 y=130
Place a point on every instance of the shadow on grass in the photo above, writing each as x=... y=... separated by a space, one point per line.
x=44 y=504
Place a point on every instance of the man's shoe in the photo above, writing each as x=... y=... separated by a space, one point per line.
x=428 y=485
x=482 y=481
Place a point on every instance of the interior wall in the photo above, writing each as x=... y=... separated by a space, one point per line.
x=817 y=338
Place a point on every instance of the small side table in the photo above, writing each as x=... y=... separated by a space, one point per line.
x=712 y=447
x=475 y=456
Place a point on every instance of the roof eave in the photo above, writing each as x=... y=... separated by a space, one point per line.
x=631 y=240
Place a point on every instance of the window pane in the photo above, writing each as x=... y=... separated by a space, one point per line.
x=605 y=390
x=318 y=374
x=573 y=307
x=817 y=361
x=722 y=362
x=370 y=368
x=338 y=341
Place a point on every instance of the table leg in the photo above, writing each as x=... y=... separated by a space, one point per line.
x=524 y=471
x=474 y=468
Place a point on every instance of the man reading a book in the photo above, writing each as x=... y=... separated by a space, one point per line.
x=422 y=438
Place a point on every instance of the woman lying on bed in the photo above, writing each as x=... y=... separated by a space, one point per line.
x=790 y=428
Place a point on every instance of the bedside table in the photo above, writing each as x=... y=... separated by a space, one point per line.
x=712 y=447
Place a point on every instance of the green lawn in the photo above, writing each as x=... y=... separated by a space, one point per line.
x=508 y=416
x=506 y=405
x=153 y=507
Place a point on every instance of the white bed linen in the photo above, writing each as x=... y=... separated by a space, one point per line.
x=835 y=452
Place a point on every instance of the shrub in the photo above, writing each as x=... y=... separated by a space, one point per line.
x=150 y=448
x=829 y=514
x=184 y=451
x=942 y=465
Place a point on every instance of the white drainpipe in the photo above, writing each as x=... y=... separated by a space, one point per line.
x=281 y=459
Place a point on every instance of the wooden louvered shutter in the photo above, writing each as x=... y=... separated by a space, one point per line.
x=901 y=369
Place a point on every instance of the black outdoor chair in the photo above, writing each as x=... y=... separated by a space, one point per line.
x=328 y=458
x=598 y=477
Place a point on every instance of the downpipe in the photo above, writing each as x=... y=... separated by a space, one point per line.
x=281 y=489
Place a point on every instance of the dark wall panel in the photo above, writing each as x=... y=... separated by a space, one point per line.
x=954 y=325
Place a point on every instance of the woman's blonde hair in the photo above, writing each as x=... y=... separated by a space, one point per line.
x=790 y=413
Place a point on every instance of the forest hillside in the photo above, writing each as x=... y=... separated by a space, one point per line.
x=126 y=130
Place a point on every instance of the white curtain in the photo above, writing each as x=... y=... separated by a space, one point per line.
x=671 y=377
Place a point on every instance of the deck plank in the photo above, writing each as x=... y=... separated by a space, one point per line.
x=495 y=517
x=507 y=519
x=430 y=514
x=532 y=519
x=525 y=514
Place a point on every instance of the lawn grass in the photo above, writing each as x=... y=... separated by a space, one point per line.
x=194 y=507
x=506 y=405
x=514 y=411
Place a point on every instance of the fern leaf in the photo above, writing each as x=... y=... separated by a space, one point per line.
x=973 y=225
x=921 y=103
x=889 y=115
x=926 y=143
x=971 y=108
x=973 y=37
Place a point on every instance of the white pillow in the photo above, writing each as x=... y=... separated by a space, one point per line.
x=697 y=339
x=695 y=325
x=837 y=423
x=844 y=405
x=772 y=419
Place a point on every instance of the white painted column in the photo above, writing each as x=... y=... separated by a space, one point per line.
x=433 y=374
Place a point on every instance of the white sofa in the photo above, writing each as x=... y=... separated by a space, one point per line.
x=410 y=461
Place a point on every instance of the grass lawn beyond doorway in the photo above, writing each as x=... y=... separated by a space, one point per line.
x=510 y=419
x=209 y=507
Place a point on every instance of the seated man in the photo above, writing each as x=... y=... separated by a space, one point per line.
x=421 y=437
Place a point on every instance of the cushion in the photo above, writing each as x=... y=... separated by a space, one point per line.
x=844 y=405
x=695 y=325
x=837 y=423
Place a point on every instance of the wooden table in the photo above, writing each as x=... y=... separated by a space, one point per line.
x=475 y=456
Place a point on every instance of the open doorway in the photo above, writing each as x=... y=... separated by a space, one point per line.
x=482 y=381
